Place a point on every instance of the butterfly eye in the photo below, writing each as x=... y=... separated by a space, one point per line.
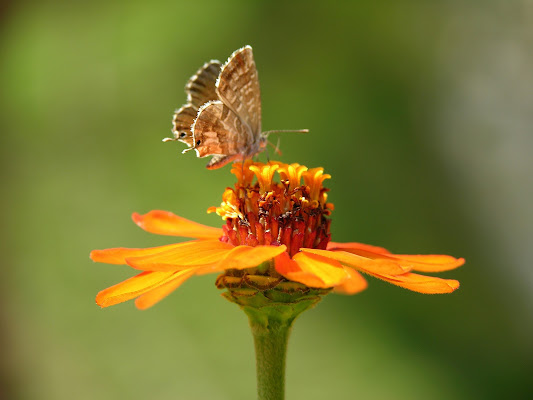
x=183 y=134
x=198 y=142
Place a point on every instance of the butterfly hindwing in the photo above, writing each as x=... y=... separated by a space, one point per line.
x=182 y=122
x=218 y=131
x=200 y=89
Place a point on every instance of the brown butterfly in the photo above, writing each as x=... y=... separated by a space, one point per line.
x=222 y=117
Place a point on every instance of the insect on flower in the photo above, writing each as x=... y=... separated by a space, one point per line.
x=222 y=116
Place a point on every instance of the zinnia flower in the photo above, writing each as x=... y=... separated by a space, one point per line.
x=277 y=234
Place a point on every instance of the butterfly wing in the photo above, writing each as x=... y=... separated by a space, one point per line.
x=238 y=88
x=200 y=89
x=182 y=122
x=220 y=132
x=222 y=117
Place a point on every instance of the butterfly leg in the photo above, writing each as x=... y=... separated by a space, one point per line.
x=277 y=150
x=276 y=147
x=267 y=154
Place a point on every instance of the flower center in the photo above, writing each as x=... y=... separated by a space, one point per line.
x=261 y=211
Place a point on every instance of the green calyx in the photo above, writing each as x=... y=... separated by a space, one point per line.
x=265 y=297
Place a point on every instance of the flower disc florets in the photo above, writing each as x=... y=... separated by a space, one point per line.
x=261 y=211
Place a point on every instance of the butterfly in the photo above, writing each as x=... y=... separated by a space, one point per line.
x=222 y=116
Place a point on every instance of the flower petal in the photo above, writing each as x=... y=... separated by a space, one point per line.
x=423 y=263
x=167 y=223
x=241 y=257
x=421 y=283
x=293 y=272
x=429 y=263
x=356 y=246
x=118 y=255
x=376 y=266
x=132 y=287
x=354 y=284
x=182 y=255
x=157 y=294
x=314 y=270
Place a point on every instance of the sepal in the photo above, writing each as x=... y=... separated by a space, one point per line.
x=267 y=299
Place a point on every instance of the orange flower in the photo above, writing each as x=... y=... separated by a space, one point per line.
x=279 y=230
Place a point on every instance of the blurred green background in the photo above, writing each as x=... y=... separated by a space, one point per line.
x=421 y=110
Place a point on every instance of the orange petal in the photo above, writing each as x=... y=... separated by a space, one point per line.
x=292 y=271
x=167 y=223
x=132 y=287
x=354 y=284
x=422 y=283
x=429 y=263
x=242 y=257
x=182 y=255
x=376 y=266
x=357 y=246
x=118 y=255
x=157 y=294
x=423 y=263
x=316 y=271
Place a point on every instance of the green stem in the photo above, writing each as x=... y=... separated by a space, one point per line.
x=270 y=352
x=271 y=313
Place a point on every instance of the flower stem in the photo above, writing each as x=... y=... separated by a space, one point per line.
x=270 y=353
x=271 y=312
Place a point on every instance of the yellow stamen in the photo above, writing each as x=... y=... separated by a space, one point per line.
x=264 y=174
x=292 y=173
x=314 y=178
x=243 y=173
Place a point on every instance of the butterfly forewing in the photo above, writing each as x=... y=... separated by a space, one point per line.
x=238 y=87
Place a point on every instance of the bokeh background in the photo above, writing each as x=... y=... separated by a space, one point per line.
x=421 y=110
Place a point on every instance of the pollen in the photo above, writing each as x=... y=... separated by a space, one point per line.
x=290 y=210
